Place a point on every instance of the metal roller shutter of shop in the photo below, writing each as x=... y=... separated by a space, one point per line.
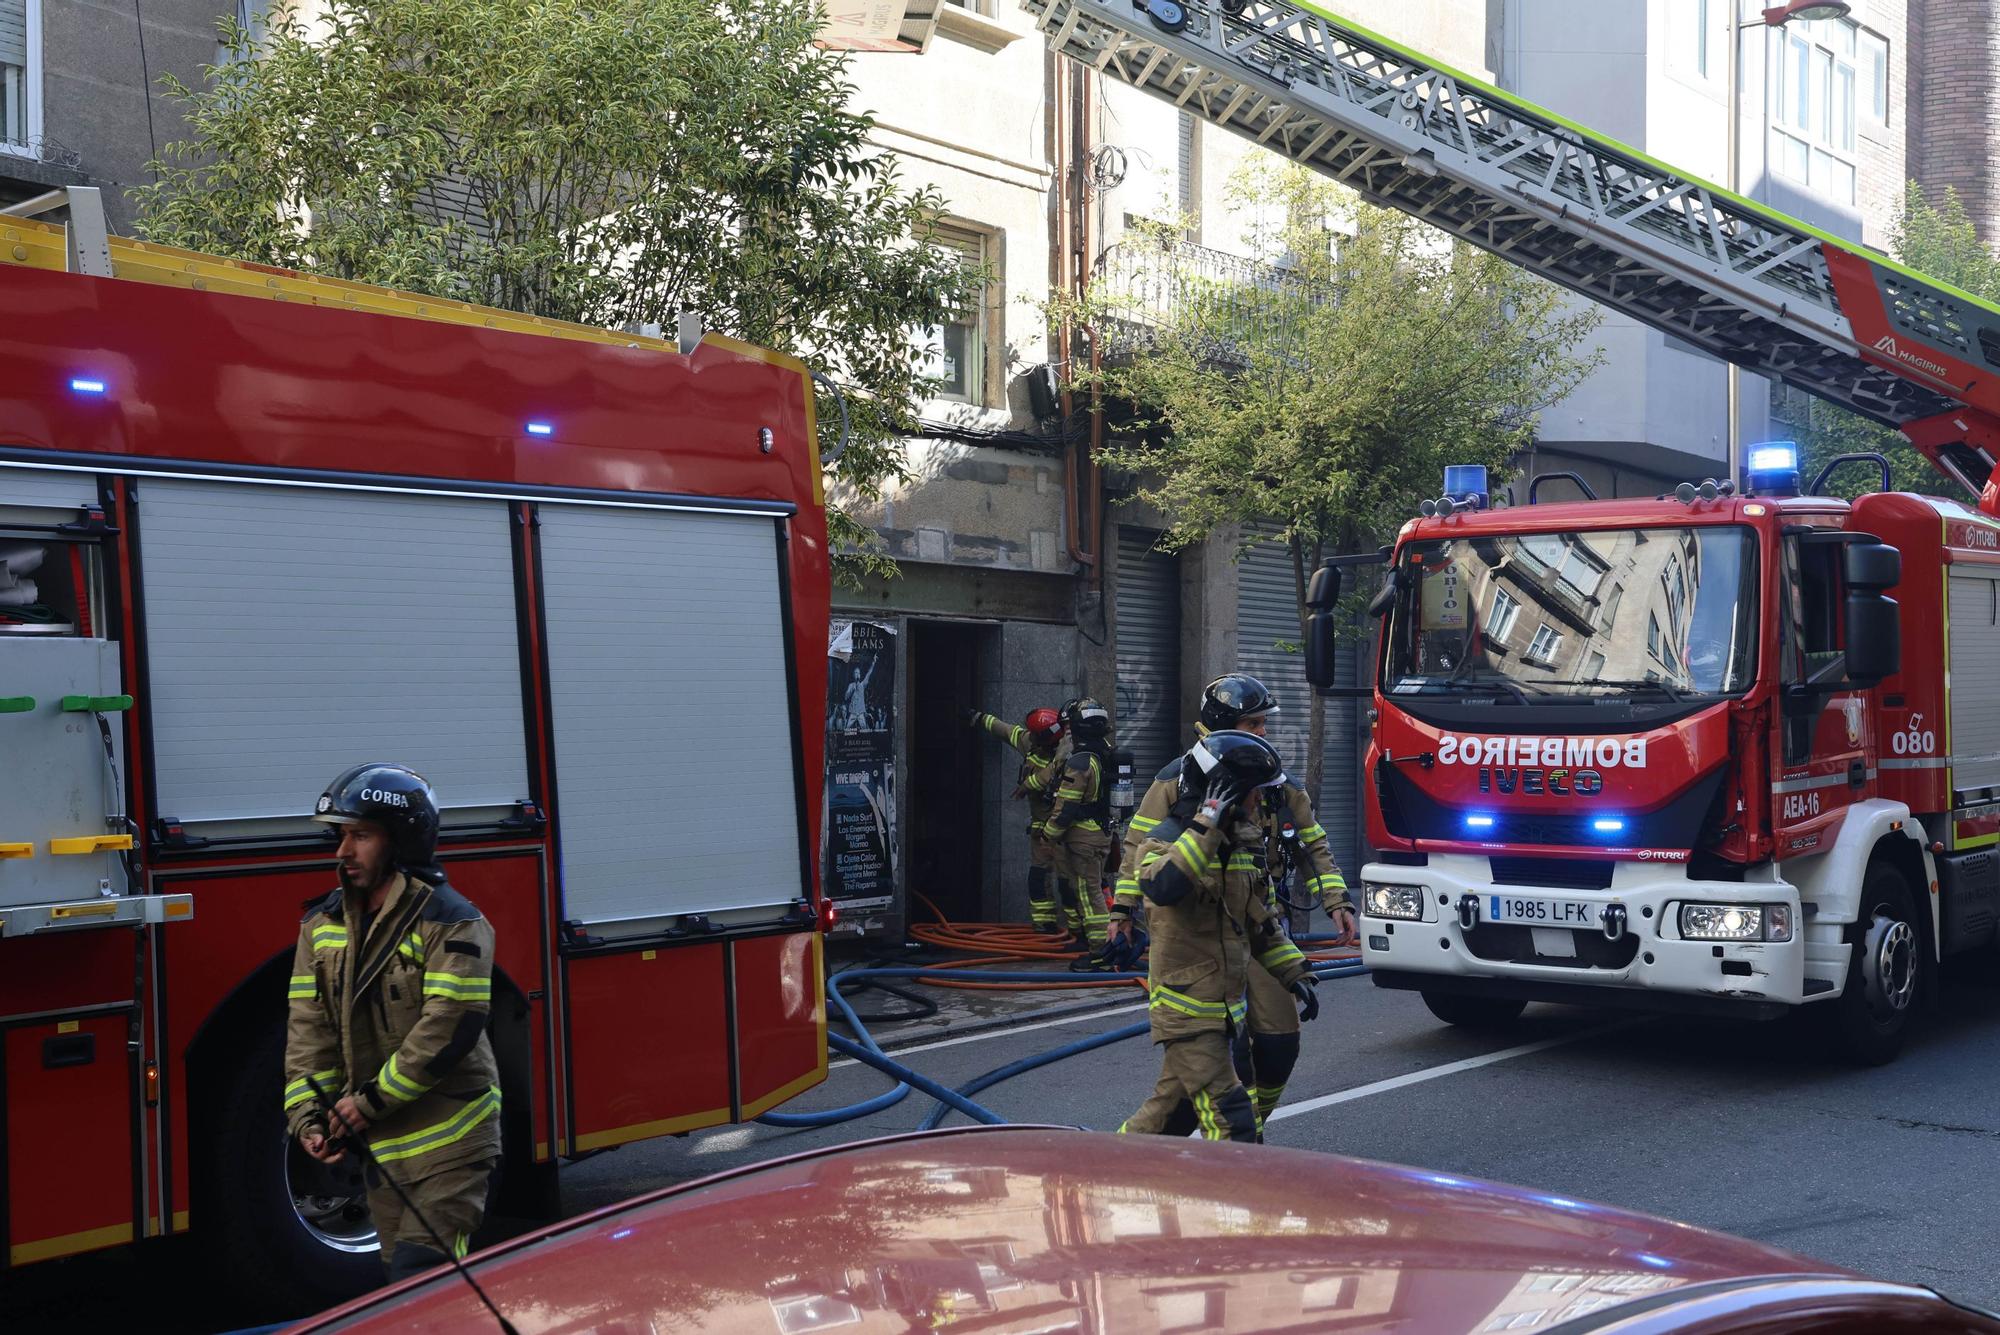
x=292 y=632
x=1975 y=681
x=1267 y=615
x=676 y=787
x=1149 y=652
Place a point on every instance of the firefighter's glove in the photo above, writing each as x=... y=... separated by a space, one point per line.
x=1225 y=790
x=974 y=717
x=1308 y=996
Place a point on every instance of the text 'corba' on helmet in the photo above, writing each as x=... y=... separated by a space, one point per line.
x=1044 y=721
x=1230 y=699
x=1088 y=720
x=393 y=796
x=1244 y=754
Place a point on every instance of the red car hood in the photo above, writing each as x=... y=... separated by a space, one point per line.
x=1036 y=1230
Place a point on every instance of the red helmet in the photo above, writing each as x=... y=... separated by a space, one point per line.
x=1045 y=720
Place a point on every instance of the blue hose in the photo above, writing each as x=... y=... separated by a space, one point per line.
x=936 y=1116
x=868 y=1051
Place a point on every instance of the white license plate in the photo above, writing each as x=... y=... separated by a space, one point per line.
x=1533 y=911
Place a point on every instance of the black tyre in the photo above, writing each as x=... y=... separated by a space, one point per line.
x=1887 y=975
x=1474 y=1012
x=288 y=1235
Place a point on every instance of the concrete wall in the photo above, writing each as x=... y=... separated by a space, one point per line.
x=96 y=86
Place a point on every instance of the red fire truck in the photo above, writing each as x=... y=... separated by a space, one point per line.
x=257 y=526
x=1665 y=750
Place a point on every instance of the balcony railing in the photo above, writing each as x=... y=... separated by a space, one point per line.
x=1221 y=305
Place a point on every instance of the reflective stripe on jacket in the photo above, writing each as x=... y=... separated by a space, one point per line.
x=399 y=1022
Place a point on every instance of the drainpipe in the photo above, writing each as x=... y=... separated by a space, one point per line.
x=1083 y=483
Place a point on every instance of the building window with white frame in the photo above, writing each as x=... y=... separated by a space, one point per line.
x=19 y=74
x=1874 y=56
x=1500 y=618
x=1547 y=641
x=1815 y=96
x=955 y=353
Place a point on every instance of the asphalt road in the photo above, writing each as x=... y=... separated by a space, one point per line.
x=1745 y=1129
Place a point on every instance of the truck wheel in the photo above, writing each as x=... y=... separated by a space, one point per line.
x=288 y=1234
x=1887 y=973
x=1473 y=1012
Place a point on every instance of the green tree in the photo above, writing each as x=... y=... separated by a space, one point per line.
x=612 y=162
x=1936 y=239
x=1327 y=396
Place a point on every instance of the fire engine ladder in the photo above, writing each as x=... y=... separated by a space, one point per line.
x=1742 y=281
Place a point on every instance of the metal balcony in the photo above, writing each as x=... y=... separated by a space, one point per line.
x=1222 y=304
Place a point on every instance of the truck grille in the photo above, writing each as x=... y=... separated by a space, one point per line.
x=1555 y=873
x=1507 y=944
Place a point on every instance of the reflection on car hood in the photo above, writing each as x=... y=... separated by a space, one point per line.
x=1030 y=1230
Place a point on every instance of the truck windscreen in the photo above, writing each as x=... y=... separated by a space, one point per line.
x=1657 y=612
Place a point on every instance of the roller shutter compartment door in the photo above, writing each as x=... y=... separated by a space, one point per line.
x=1975 y=681
x=1267 y=616
x=292 y=632
x=676 y=787
x=1149 y=652
x=42 y=497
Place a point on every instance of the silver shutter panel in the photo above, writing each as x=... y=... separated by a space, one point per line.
x=675 y=787
x=294 y=631
x=39 y=496
x=1975 y=682
x=1149 y=653
x=1267 y=616
x=13 y=33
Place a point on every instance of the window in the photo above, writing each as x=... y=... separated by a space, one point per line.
x=1874 y=55
x=1575 y=566
x=1547 y=641
x=1692 y=35
x=1199 y=1309
x=20 y=74
x=1517 y=1320
x=956 y=353
x=976 y=6
x=1500 y=620
x=1815 y=88
x=1593 y=668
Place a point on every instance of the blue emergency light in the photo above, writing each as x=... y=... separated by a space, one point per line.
x=1609 y=825
x=86 y=385
x=541 y=429
x=1465 y=485
x=1478 y=822
x=1772 y=469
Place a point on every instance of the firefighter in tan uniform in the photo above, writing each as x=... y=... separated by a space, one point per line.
x=1268 y=1050
x=1040 y=741
x=1211 y=918
x=1080 y=819
x=391 y=986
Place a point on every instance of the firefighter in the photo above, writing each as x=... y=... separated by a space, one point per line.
x=391 y=986
x=1079 y=820
x=1205 y=877
x=1268 y=1048
x=1039 y=739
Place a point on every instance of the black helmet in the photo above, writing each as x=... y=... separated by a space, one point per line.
x=1088 y=720
x=1244 y=754
x=393 y=796
x=1227 y=701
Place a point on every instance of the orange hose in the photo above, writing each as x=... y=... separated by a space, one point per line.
x=1011 y=943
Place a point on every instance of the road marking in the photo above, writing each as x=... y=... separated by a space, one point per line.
x=1008 y=1032
x=1449 y=1068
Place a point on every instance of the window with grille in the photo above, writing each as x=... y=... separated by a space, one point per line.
x=19 y=73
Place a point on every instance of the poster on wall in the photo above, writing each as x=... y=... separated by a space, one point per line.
x=860 y=824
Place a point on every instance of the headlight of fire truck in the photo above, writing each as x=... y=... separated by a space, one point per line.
x=1736 y=922
x=1392 y=901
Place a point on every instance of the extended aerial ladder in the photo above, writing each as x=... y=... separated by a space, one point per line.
x=1739 y=279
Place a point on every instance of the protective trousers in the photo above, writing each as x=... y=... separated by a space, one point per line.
x=452 y=1202
x=1195 y=1073
x=1267 y=1050
x=1079 y=870
x=1042 y=910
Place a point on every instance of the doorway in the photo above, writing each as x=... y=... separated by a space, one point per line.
x=947 y=833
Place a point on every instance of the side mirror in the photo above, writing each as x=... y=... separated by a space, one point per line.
x=1385 y=598
x=1872 y=566
x=1320 y=640
x=1874 y=634
x=1324 y=590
